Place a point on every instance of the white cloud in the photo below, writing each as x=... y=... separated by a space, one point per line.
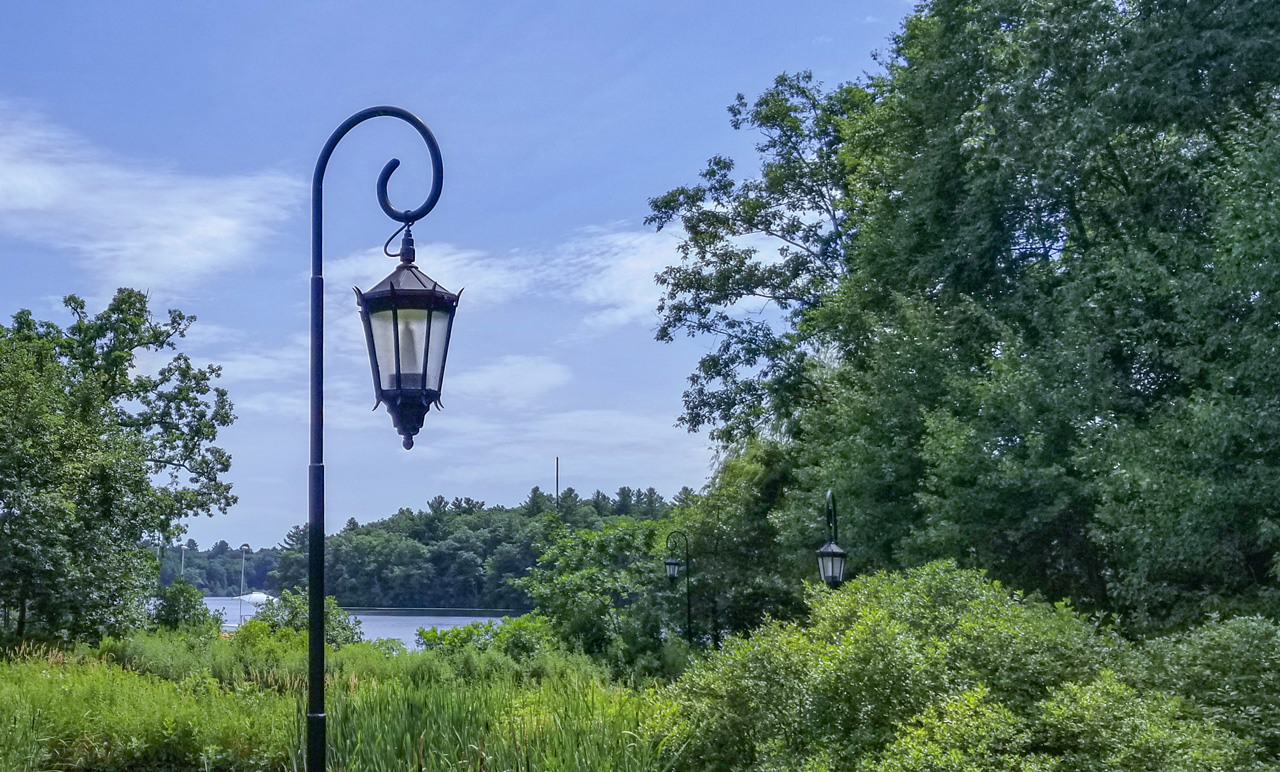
x=511 y=381
x=149 y=228
x=613 y=270
x=608 y=270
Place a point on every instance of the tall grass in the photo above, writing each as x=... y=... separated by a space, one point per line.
x=153 y=703
x=95 y=716
x=567 y=724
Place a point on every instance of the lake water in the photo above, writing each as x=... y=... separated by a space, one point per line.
x=401 y=624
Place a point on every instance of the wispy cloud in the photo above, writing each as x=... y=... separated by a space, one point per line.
x=134 y=225
x=513 y=381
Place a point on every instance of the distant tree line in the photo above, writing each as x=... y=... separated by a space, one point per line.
x=455 y=553
x=216 y=571
x=452 y=554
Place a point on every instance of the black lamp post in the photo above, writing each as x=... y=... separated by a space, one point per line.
x=830 y=556
x=407 y=321
x=673 y=572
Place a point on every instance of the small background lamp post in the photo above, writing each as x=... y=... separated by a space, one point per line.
x=407 y=320
x=243 y=547
x=673 y=572
x=830 y=556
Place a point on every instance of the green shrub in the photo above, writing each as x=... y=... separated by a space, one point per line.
x=290 y=612
x=965 y=733
x=518 y=637
x=878 y=652
x=1108 y=725
x=783 y=697
x=1019 y=647
x=1229 y=670
x=182 y=606
x=1103 y=725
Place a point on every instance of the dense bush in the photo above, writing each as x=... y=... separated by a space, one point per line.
x=290 y=612
x=939 y=668
x=181 y=606
x=518 y=637
x=1229 y=671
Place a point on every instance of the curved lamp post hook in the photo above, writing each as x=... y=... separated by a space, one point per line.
x=315 y=748
x=406 y=216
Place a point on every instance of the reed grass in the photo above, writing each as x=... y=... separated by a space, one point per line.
x=416 y=712
x=567 y=724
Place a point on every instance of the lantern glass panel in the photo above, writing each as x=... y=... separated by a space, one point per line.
x=382 y=326
x=413 y=344
x=439 y=334
x=673 y=568
x=412 y=324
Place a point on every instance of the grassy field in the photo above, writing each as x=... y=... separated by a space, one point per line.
x=155 y=710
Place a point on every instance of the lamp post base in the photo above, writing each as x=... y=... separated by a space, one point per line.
x=315 y=742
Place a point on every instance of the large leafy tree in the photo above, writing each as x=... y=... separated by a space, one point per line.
x=95 y=456
x=1038 y=334
x=752 y=301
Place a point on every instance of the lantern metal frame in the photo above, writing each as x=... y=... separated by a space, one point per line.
x=315 y=721
x=830 y=553
x=408 y=403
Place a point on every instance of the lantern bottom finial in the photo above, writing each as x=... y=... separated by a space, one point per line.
x=408 y=411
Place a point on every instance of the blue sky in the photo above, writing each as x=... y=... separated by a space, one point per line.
x=169 y=147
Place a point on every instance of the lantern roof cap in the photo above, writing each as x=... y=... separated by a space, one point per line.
x=407 y=278
x=831 y=548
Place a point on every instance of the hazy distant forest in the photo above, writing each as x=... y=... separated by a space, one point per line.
x=1014 y=298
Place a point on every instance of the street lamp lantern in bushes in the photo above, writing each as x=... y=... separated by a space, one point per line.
x=673 y=572
x=673 y=569
x=830 y=556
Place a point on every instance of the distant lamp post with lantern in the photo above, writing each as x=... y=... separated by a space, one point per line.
x=243 y=549
x=407 y=320
x=830 y=557
x=673 y=574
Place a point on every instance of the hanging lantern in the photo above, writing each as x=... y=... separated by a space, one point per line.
x=408 y=318
x=830 y=557
x=831 y=564
x=673 y=569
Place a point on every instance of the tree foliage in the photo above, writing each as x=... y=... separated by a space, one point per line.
x=938 y=668
x=1032 y=327
x=96 y=455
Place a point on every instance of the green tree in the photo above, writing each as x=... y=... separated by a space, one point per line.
x=96 y=455
x=180 y=606
x=1032 y=330
x=799 y=205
